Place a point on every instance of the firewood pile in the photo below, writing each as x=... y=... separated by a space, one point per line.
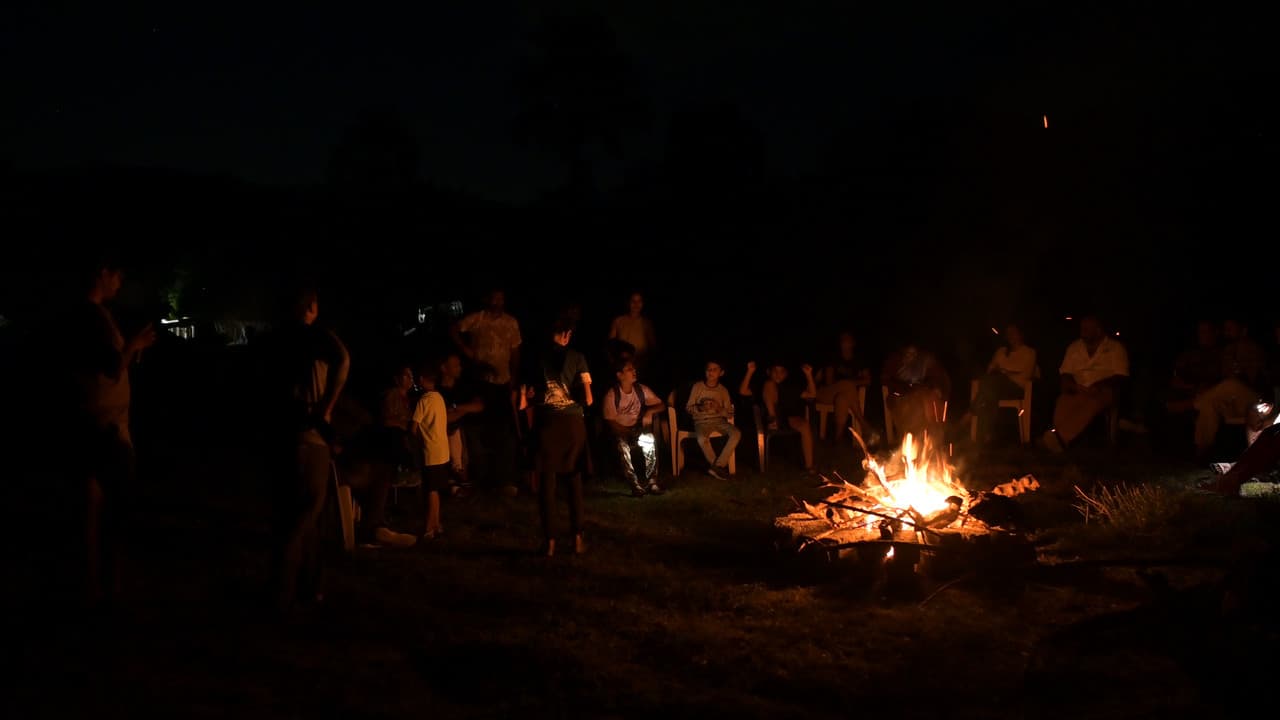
x=911 y=497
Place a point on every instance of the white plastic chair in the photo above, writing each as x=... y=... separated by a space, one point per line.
x=676 y=437
x=825 y=409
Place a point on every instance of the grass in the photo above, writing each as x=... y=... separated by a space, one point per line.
x=684 y=606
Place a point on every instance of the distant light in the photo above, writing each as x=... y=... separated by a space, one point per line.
x=1068 y=317
x=1117 y=334
x=1046 y=121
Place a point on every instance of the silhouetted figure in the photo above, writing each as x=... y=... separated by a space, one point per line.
x=101 y=357
x=561 y=429
x=308 y=368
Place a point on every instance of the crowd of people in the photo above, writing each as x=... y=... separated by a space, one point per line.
x=483 y=414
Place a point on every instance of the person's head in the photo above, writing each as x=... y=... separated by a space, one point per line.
x=402 y=378
x=625 y=371
x=429 y=374
x=1013 y=336
x=1090 y=329
x=562 y=331
x=777 y=372
x=450 y=367
x=495 y=300
x=306 y=305
x=910 y=352
x=102 y=278
x=1206 y=334
x=636 y=303
x=713 y=372
x=847 y=344
x=1233 y=329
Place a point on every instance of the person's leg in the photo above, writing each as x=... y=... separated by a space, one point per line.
x=433 y=514
x=649 y=448
x=301 y=557
x=732 y=435
x=624 y=448
x=702 y=433
x=843 y=400
x=801 y=425
x=575 y=503
x=546 y=504
x=318 y=477
x=1073 y=413
x=94 y=586
x=1228 y=398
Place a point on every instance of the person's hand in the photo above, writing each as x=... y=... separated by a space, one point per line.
x=751 y=366
x=145 y=338
x=807 y=369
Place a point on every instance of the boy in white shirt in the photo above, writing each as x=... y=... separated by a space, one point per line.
x=429 y=429
x=711 y=409
x=629 y=409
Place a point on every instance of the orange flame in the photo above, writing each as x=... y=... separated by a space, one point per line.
x=925 y=482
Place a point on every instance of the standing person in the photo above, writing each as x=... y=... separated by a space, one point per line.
x=561 y=430
x=429 y=428
x=101 y=356
x=494 y=339
x=635 y=330
x=309 y=367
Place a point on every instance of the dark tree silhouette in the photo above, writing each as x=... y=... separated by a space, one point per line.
x=578 y=91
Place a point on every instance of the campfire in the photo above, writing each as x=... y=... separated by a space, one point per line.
x=911 y=496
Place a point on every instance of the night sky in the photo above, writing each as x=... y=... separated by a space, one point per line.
x=264 y=93
x=917 y=133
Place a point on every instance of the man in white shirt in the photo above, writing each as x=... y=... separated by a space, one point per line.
x=494 y=338
x=1091 y=368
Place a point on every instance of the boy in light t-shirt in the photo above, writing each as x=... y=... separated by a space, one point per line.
x=711 y=409
x=629 y=408
x=429 y=429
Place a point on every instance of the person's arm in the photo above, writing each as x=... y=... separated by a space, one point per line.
x=770 y=395
x=455 y=332
x=829 y=375
x=1067 y=370
x=994 y=365
x=652 y=405
x=470 y=407
x=515 y=352
x=695 y=399
x=889 y=374
x=613 y=329
x=810 y=388
x=339 y=367
x=585 y=375
x=744 y=387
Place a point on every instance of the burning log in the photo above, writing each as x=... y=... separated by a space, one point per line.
x=913 y=489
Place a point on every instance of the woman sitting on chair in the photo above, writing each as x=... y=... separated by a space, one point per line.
x=1010 y=369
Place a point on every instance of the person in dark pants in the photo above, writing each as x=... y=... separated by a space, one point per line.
x=101 y=357
x=309 y=367
x=561 y=430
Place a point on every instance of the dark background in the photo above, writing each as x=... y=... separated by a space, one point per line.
x=766 y=174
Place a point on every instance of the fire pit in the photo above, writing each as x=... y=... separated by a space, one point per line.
x=909 y=507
